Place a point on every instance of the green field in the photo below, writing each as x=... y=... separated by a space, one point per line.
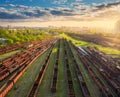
x=78 y=91
x=44 y=89
x=6 y=55
x=78 y=43
x=22 y=35
x=89 y=81
x=23 y=85
x=62 y=81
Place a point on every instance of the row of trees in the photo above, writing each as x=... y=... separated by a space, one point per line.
x=22 y=35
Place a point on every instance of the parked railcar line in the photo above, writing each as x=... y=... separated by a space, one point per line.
x=102 y=88
x=80 y=78
x=14 y=62
x=111 y=80
x=8 y=85
x=104 y=92
x=34 y=89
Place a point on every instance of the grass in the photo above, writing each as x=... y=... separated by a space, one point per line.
x=79 y=42
x=44 y=89
x=103 y=80
x=62 y=81
x=75 y=41
x=88 y=79
x=76 y=85
x=3 y=56
x=23 y=85
x=21 y=88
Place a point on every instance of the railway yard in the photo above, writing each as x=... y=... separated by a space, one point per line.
x=106 y=41
x=55 y=67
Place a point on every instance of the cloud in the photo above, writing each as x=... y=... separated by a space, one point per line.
x=76 y=10
x=22 y=12
x=4 y=15
x=78 y=0
x=11 y=5
x=10 y=14
x=30 y=0
x=106 y=5
x=25 y=12
x=59 y=1
x=74 y=14
x=63 y=12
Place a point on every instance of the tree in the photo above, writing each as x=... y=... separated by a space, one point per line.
x=9 y=41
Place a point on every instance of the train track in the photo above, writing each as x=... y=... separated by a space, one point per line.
x=87 y=61
x=92 y=60
x=34 y=89
x=111 y=79
x=71 y=91
x=104 y=91
x=13 y=47
x=81 y=81
x=55 y=72
x=16 y=61
x=10 y=83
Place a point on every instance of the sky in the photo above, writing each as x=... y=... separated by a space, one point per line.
x=71 y=13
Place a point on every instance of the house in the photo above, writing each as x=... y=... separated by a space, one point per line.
x=3 y=41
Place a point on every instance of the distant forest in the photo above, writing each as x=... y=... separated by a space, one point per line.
x=15 y=36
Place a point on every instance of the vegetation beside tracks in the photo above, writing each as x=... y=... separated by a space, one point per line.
x=78 y=42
